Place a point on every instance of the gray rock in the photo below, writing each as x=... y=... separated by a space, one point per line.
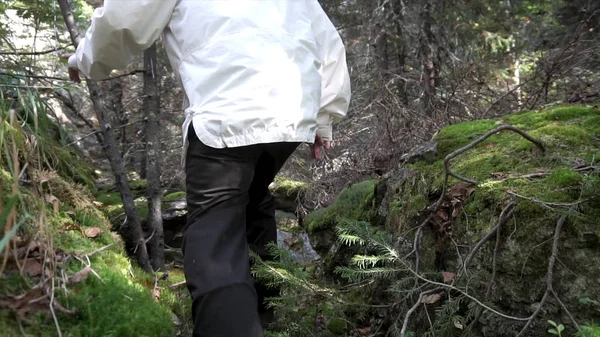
x=298 y=245
x=425 y=152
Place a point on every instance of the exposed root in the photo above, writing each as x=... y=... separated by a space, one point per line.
x=449 y=172
x=549 y=275
x=415 y=307
x=505 y=215
x=548 y=204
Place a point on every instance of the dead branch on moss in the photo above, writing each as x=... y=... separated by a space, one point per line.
x=524 y=134
x=448 y=173
x=549 y=275
x=549 y=204
x=415 y=307
x=505 y=215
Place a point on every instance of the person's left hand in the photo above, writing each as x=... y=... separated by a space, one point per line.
x=315 y=148
x=74 y=75
x=73 y=72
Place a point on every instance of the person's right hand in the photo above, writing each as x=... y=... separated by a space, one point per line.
x=315 y=148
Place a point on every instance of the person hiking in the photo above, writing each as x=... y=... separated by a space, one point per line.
x=260 y=78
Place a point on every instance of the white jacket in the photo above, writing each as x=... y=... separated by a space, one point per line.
x=253 y=71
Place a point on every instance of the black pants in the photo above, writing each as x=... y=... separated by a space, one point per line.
x=229 y=208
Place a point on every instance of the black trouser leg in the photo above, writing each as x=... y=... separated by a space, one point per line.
x=260 y=212
x=215 y=247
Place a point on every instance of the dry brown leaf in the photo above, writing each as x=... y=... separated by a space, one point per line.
x=579 y=162
x=92 y=232
x=98 y=203
x=470 y=191
x=156 y=293
x=81 y=275
x=499 y=175
x=33 y=267
x=431 y=299
x=448 y=276
x=70 y=227
x=54 y=201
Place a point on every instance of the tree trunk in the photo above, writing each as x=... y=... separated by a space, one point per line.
x=152 y=167
x=133 y=234
x=428 y=60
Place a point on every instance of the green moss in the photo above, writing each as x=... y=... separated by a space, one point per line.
x=97 y=301
x=456 y=136
x=108 y=199
x=174 y=196
x=138 y=184
x=564 y=177
x=353 y=203
x=288 y=187
x=116 y=213
x=570 y=134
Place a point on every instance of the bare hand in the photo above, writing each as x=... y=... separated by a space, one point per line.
x=74 y=75
x=315 y=148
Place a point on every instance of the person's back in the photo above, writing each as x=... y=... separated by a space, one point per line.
x=260 y=78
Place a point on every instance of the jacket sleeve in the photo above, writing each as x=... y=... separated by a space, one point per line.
x=335 y=86
x=120 y=30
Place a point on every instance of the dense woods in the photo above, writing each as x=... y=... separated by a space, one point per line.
x=91 y=179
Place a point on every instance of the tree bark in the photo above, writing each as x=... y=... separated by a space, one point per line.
x=133 y=233
x=428 y=61
x=152 y=111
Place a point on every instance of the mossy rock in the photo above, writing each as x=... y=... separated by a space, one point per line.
x=288 y=193
x=115 y=288
x=175 y=196
x=355 y=202
x=543 y=185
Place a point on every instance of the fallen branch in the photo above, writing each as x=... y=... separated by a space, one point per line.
x=525 y=135
x=448 y=172
x=100 y=249
x=52 y=311
x=33 y=53
x=415 y=307
x=43 y=77
x=549 y=275
x=178 y=284
x=505 y=215
x=548 y=204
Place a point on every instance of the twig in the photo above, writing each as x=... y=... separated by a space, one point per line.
x=587 y=168
x=42 y=77
x=178 y=284
x=33 y=53
x=99 y=131
x=529 y=254
x=52 y=310
x=505 y=215
x=550 y=274
x=564 y=307
x=100 y=249
x=415 y=307
x=547 y=204
x=449 y=172
x=467 y=295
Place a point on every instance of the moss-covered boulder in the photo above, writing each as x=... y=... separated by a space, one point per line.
x=538 y=188
x=288 y=193
x=542 y=200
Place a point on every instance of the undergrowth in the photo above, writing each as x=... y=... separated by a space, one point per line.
x=63 y=270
